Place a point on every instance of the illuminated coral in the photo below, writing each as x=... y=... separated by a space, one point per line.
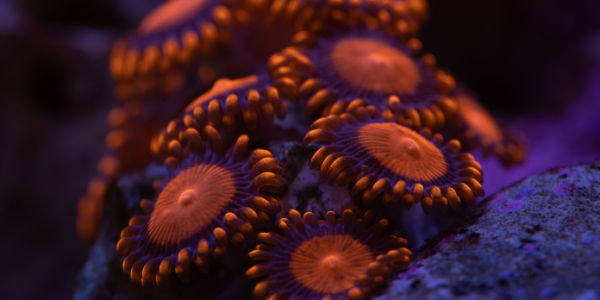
x=385 y=159
x=476 y=127
x=231 y=106
x=328 y=73
x=212 y=201
x=356 y=64
x=176 y=32
x=343 y=257
x=401 y=17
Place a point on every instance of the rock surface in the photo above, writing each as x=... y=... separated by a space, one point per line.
x=537 y=239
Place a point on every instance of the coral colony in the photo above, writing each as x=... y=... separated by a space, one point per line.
x=207 y=85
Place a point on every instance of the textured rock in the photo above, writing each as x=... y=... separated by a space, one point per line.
x=538 y=239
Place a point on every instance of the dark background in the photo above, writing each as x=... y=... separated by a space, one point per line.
x=531 y=61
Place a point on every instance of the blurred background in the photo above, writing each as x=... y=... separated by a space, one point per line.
x=534 y=63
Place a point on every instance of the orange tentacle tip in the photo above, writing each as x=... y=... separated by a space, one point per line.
x=90 y=210
x=393 y=163
x=229 y=108
x=399 y=17
x=176 y=32
x=209 y=204
x=338 y=71
x=340 y=257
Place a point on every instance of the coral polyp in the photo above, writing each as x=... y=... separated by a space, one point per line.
x=478 y=129
x=230 y=108
x=343 y=257
x=212 y=201
x=381 y=159
x=329 y=72
x=384 y=69
x=175 y=33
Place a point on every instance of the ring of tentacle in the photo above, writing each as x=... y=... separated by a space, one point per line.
x=212 y=201
x=401 y=18
x=328 y=73
x=231 y=106
x=385 y=160
x=477 y=128
x=343 y=257
x=176 y=32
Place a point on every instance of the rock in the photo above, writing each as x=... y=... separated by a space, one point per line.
x=539 y=238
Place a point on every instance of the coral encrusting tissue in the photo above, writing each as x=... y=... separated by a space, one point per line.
x=381 y=159
x=344 y=257
x=212 y=201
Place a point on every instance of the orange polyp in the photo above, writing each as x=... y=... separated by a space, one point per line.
x=476 y=128
x=230 y=107
x=479 y=119
x=330 y=263
x=190 y=202
x=374 y=65
x=336 y=258
x=208 y=204
x=170 y=41
x=383 y=160
x=403 y=151
x=331 y=72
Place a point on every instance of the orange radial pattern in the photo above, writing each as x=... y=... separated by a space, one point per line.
x=190 y=202
x=330 y=72
x=331 y=263
x=374 y=66
x=384 y=160
x=214 y=201
x=342 y=258
x=403 y=151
